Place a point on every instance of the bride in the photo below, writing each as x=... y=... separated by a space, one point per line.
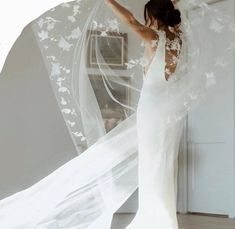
x=157 y=164
x=142 y=150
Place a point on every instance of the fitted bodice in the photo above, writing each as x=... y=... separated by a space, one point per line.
x=156 y=71
x=155 y=75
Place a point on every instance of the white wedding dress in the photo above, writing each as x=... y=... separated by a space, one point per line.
x=157 y=165
x=140 y=152
x=85 y=192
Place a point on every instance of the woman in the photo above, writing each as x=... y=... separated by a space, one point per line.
x=85 y=192
x=157 y=153
x=159 y=15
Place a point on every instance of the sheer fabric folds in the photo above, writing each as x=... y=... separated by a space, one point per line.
x=95 y=64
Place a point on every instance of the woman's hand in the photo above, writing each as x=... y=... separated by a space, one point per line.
x=108 y=1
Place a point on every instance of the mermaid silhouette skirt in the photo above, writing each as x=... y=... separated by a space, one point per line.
x=157 y=166
x=158 y=147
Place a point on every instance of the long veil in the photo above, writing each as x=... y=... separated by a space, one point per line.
x=95 y=66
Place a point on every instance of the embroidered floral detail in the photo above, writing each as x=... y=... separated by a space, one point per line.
x=173 y=48
x=174 y=44
x=168 y=71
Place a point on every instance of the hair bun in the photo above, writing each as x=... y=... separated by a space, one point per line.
x=172 y=17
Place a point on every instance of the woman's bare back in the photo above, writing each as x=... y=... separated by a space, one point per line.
x=172 y=52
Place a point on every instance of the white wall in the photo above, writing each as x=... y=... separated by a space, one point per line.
x=211 y=142
x=34 y=140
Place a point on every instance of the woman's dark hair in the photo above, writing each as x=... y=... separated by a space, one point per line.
x=164 y=11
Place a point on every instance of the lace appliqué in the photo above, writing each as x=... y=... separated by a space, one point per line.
x=173 y=44
x=173 y=48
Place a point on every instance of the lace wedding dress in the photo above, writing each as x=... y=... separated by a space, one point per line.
x=85 y=192
x=157 y=166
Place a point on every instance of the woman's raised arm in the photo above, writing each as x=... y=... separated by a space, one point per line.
x=129 y=19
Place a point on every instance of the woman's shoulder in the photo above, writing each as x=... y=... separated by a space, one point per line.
x=154 y=37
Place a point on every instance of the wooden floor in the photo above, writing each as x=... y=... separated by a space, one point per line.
x=186 y=221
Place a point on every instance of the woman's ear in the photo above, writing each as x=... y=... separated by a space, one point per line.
x=147 y=23
x=156 y=23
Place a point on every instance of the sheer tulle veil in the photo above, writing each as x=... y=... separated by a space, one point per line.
x=95 y=63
